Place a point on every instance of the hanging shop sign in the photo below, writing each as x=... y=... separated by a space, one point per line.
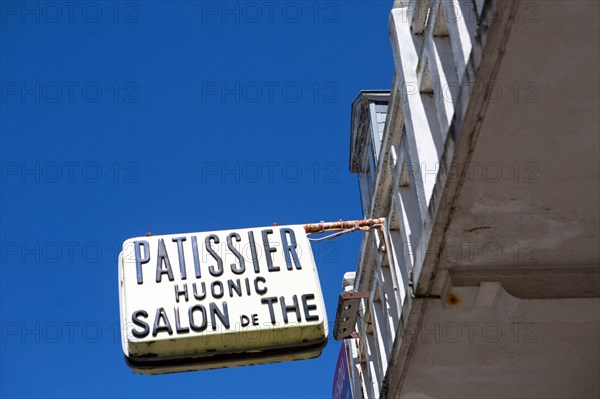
x=220 y=299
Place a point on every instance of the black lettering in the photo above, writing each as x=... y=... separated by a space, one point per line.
x=178 y=328
x=270 y=301
x=268 y=250
x=139 y=260
x=183 y=292
x=135 y=318
x=244 y=321
x=248 y=291
x=161 y=314
x=292 y=308
x=260 y=291
x=308 y=308
x=242 y=265
x=289 y=249
x=179 y=241
x=212 y=289
x=196 y=256
x=253 y=252
x=163 y=258
x=223 y=316
x=195 y=327
x=203 y=295
x=219 y=269
x=231 y=284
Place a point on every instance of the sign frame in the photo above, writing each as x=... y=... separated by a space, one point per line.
x=285 y=278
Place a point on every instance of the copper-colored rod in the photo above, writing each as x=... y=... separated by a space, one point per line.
x=342 y=225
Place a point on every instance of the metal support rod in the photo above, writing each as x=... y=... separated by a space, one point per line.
x=321 y=227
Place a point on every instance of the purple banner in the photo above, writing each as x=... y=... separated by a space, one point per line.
x=341 y=379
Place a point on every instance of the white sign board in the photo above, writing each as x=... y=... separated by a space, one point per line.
x=220 y=299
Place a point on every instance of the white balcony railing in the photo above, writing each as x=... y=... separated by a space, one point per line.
x=433 y=43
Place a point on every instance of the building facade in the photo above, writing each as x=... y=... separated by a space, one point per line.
x=483 y=158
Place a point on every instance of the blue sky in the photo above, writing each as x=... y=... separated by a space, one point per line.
x=121 y=118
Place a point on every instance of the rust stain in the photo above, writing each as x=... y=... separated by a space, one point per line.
x=364 y=225
x=452 y=299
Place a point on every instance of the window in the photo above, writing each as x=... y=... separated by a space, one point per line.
x=374 y=126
